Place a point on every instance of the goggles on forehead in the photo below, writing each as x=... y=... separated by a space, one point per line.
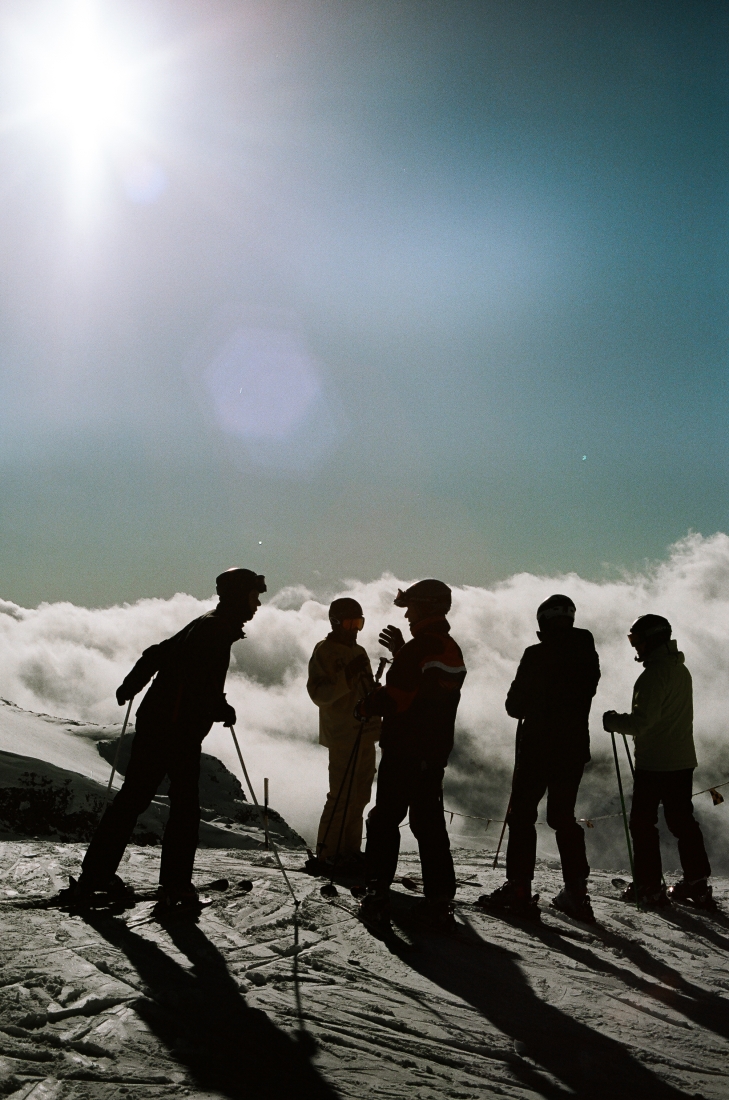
x=349 y=624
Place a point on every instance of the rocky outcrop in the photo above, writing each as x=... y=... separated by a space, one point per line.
x=39 y=799
x=222 y=800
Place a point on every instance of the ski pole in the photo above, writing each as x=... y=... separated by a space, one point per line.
x=511 y=793
x=322 y=843
x=625 y=820
x=116 y=754
x=274 y=849
x=632 y=772
x=265 y=809
x=501 y=838
x=329 y=890
x=384 y=661
x=630 y=758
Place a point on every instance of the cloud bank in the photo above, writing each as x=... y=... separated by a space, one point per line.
x=67 y=660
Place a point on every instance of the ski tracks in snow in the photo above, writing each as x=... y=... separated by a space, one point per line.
x=261 y=999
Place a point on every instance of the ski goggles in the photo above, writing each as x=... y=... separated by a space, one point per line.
x=349 y=624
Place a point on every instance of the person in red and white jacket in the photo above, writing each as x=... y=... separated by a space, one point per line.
x=418 y=705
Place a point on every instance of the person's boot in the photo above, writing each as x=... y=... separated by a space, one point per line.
x=697 y=893
x=320 y=868
x=173 y=900
x=435 y=914
x=574 y=901
x=648 y=897
x=83 y=893
x=374 y=907
x=514 y=898
x=78 y=894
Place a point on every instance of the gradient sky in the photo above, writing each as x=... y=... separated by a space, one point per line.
x=355 y=286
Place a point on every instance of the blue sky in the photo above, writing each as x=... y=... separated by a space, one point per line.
x=355 y=287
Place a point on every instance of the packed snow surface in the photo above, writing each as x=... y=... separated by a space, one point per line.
x=258 y=1000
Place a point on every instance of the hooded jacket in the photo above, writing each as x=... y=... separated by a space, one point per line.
x=662 y=718
x=190 y=670
x=336 y=699
x=419 y=700
x=552 y=693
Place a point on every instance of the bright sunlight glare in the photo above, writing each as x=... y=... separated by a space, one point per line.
x=83 y=88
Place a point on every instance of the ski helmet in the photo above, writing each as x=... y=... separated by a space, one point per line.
x=238 y=582
x=344 y=608
x=653 y=628
x=557 y=606
x=428 y=592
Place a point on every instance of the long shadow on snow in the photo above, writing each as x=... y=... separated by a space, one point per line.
x=488 y=977
x=204 y=1021
x=709 y=1010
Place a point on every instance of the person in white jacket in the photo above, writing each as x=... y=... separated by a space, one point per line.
x=340 y=675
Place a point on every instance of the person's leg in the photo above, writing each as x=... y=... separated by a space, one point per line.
x=563 y=785
x=383 y=823
x=146 y=770
x=644 y=831
x=529 y=786
x=340 y=755
x=427 y=822
x=179 y=843
x=678 y=809
x=361 y=794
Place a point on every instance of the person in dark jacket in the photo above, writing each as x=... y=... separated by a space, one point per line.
x=185 y=699
x=418 y=705
x=551 y=696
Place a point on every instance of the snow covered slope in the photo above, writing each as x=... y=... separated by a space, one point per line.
x=53 y=782
x=256 y=1000
x=63 y=742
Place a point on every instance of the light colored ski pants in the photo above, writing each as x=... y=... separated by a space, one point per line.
x=364 y=773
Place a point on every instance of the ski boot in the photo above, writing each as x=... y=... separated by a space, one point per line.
x=574 y=901
x=647 y=897
x=320 y=868
x=698 y=894
x=374 y=908
x=179 y=901
x=513 y=898
x=352 y=865
x=433 y=914
x=82 y=894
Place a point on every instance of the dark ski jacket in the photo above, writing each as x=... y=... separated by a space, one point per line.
x=552 y=694
x=189 y=670
x=420 y=697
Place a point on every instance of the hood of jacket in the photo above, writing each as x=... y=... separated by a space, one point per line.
x=669 y=651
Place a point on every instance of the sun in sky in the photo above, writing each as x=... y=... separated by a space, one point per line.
x=83 y=81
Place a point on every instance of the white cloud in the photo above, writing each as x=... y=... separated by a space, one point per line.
x=68 y=660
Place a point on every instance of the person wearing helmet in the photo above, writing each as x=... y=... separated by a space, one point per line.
x=551 y=696
x=661 y=721
x=418 y=705
x=340 y=675
x=185 y=699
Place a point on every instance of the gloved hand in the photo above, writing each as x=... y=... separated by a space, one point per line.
x=391 y=638
x=364 y=709
x=608 y=721
x=121 y=696
x=227 y=714
x=356 y=667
